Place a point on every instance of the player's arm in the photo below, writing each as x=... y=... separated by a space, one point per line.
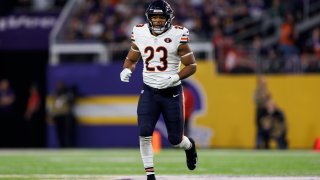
x=188 y=60
x=132 y=57
x=130 y=63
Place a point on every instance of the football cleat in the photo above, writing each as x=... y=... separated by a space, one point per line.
x=192 y=157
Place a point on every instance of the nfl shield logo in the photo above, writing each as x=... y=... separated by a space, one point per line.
x=167 y=40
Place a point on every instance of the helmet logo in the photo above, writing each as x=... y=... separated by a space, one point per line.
x=157 y=11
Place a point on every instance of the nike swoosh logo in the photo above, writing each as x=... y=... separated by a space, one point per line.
x=175 y=95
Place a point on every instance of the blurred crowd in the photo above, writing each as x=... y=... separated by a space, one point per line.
x=237 y=29
x=112 y=20
x=247 y=35
x=7 y=6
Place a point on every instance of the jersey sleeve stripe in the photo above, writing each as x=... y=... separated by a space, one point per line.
x=184 y=40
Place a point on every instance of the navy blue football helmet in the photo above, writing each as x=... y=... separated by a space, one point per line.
x=159 y=7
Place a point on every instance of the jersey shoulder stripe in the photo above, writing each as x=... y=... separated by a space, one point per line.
x=132 y=37
x=139 y=30
x=183 y=34
x=184 y=39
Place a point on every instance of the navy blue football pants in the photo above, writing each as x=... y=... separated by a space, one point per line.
x=169 y=102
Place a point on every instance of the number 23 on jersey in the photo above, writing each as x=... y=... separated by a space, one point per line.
x=163 y=58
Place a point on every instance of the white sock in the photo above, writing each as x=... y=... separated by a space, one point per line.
x=185 y=143
x=146 y=152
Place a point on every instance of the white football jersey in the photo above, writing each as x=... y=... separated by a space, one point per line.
x=159 y=53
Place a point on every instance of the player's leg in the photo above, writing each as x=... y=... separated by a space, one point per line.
x=172 y=110
x=148 y=114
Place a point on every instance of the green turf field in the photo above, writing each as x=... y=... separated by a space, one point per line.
x=168 y=161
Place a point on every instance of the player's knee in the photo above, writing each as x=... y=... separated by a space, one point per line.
x=174 y=140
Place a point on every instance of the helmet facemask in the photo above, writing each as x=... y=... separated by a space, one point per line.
x=159 y=30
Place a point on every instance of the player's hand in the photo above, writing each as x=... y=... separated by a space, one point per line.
x=167 y=82
x=125 y=75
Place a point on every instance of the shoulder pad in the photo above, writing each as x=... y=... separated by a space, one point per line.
x=183 y=33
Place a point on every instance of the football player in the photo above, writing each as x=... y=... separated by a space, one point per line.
x=163 y=47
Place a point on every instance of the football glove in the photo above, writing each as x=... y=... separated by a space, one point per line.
x=125 y=75
x=167 y=82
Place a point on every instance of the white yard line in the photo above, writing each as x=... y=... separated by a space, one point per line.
x=159 y=177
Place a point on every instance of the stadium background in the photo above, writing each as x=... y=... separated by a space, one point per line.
x=225 y=114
